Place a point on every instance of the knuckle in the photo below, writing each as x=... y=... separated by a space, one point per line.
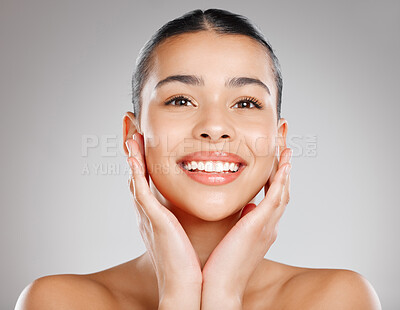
x=138 y=199
x=276 y=200
x=139 y=218
x=287 y=198
x=140 y=223
x=142 y=226
x=274 y=236
x=150 y=227
x=243 y=223
x=252 y=225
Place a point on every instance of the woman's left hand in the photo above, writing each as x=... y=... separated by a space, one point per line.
x=229 y=267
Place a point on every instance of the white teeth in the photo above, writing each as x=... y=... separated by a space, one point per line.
x=200 y=165
x=219 y=167
x=211 y=166
x=226 y=166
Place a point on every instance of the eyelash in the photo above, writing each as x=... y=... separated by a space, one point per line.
x=252 y=100
x=176 y=98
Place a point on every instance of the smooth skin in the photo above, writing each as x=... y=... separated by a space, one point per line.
x=206 y=244
x=175 y=260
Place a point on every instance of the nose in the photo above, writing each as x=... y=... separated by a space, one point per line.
x=214 y=125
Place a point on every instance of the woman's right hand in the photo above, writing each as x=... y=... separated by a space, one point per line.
x=174 y=259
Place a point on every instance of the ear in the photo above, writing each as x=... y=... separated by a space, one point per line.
x=129 y=128
x=280 y=145
x=282 y=132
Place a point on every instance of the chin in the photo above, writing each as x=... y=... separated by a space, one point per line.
x=212 y=213
x=207 y=207
x=214 y=203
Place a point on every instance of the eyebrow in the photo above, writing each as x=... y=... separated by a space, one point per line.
x=198 y=81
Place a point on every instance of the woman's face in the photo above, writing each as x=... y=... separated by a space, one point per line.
x=214 y=114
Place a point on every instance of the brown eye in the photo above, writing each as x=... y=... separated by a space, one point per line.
x=179 y=101
x=248 y=103
x=245 y=104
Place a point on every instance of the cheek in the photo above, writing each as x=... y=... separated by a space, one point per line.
x=164 y=142
x=161 y=152
x=261 y=143
x=159 y=145
x=263 y=146
x=265 y=165
x=159 y=157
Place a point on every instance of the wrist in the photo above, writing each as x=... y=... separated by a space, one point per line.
x=221 y=303
x=185 y=298
x=182 y=302
x=220 y=298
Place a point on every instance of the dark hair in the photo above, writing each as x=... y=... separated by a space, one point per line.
x=220 y=21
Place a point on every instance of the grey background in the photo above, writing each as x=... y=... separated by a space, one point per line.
x=65 y=71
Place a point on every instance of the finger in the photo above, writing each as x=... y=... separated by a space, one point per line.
x=286 y=195
x=274 y=195
x=273 y=173
x=134 y=151
x=141 y=190
x=142 y=218
x=272 y=176
x=284 y=201
x=285 y=157
x=143 y=221
x=140 y=141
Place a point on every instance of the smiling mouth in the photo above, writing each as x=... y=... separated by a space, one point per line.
x=213 y=167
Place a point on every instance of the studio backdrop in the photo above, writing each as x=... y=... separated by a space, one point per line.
x=65 y=74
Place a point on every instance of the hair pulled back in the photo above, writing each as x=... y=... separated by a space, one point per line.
x=218 y=20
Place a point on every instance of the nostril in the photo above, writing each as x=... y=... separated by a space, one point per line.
x=205 y=135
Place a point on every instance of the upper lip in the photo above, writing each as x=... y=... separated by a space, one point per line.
x=212 y=155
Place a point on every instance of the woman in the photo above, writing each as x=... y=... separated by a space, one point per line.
x=205 y=138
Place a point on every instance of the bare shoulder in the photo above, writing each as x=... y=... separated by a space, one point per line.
x=65 y=292
x=114 y=288
x=330 y=289
x=279 y=286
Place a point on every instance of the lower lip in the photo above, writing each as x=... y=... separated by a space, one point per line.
x=213 y=178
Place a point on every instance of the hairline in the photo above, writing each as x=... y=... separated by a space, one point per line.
x=150 y=61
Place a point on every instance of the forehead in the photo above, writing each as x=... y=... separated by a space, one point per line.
x=212 y=56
